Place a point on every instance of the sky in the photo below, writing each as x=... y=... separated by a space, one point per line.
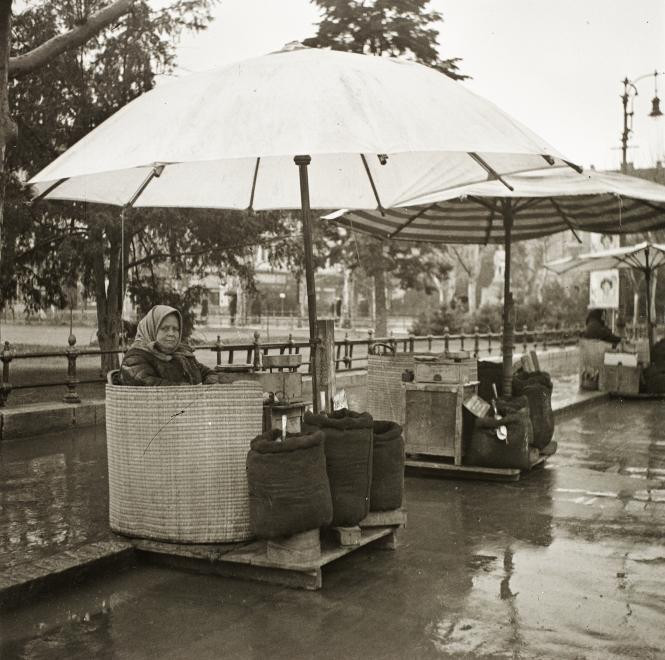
x=556 y=65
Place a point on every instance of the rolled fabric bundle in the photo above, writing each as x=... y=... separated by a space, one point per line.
x=485 y=449
x=348 y=450
x=537 y=388
x=289 y=491
x=387 y=489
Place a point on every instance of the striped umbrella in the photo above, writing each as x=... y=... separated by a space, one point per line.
x=541 y=203
x=644 y=257
x=524 y=206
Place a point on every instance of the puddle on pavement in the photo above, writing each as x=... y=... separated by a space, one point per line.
x=566 y=563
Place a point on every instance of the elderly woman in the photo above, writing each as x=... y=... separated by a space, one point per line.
x=158 y=355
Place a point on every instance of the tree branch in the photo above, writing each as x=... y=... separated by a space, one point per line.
x=44 y=53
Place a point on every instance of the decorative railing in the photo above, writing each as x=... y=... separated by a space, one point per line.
x=350 y=354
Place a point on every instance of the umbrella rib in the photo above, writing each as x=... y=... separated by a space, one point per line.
x=410 y=220
x=51 y=188
x=371 y=180
x=490 y=170
x=528 y=203
x=565 y=218
x=577 y=168
x=490 y=222
x=256 y=172
x=154 y=173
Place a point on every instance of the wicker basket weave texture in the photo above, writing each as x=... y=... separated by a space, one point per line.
x=385 y=394
x=176 y=460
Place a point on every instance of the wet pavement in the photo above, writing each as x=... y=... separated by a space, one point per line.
x=566 y=563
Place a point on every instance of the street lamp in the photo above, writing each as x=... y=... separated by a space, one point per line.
x=628 y=96
x=282 y=295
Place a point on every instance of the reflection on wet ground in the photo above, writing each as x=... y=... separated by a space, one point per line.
x=53 y=494
x=567 y=563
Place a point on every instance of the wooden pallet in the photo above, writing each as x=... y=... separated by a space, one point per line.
x=252 y=561
x=442 y=467
x=637 y=395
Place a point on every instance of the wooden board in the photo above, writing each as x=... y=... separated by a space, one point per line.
x=250 y=561
x=449 y=469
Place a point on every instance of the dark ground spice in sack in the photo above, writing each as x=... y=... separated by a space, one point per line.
x=289 y=491
x=486 y=450
x=537 y=388
x=348 y=449
x=387 y=489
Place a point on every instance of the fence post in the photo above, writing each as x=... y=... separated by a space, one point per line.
x=370 y=342
x=412 y=343
x=446 y=339
x=5 y=387
x=347 y=361
x=218 y=348
x=257 y=351
x=392 y=342
x=544 y=336
x=525 y=342
x=71 y=396
x=325 y=366
x=476 y=341
x=429 y=343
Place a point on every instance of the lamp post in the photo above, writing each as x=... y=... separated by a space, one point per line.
x=628 y=97
x=282 y=295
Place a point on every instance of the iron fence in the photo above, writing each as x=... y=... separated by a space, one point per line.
x=350 y=354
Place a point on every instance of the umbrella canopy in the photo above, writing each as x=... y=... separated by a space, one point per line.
x=542 y=203
x=645 y=257
x=226 y=138
x=365 y=132
x=539 y=204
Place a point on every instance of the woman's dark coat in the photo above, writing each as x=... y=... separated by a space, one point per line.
x=143 y=368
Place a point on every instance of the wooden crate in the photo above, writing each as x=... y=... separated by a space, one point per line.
x=434 y=418
x=446 y=370
x=620 y=379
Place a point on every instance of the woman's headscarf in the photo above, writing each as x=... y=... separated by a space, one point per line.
x=146 y=333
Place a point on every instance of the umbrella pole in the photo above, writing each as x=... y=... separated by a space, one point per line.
x=647 y=278
x=302 y=162
x=508 y=330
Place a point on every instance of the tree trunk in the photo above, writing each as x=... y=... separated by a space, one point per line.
x=347 y=287
x=302 y=297
x=7 y=126
x=474 y=272
x=109 y=318
x=381 y=324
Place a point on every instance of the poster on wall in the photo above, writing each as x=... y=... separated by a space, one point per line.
x=602 y=242
x=604 y=289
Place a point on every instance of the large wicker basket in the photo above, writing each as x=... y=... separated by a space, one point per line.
x=385 y=394
x=176 y=460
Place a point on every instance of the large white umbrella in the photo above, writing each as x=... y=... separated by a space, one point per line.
x=365 y=132
x=644 y=257
x=538 y=204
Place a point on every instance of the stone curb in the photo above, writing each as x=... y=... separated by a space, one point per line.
x=28 y=581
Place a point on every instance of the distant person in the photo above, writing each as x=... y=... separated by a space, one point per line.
x=596 y=328
x=158 y=355
x=607 y=241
